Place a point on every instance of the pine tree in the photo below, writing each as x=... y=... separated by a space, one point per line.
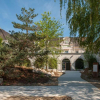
x=27 y=20
x=21 y=45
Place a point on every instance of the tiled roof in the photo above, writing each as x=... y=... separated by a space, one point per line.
x=3 y=34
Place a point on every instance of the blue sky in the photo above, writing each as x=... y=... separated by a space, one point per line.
x=9 y=9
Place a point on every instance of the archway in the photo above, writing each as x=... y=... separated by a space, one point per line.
x=65 y=64
x=79 y=64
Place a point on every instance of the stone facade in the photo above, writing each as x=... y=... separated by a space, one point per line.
x=71 y=51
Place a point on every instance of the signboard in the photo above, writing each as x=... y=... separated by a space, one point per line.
x=95 y=68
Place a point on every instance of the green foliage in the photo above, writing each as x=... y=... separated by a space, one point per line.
x=83 y=17
x=1 y=73
x=51 y=30
x=39 y=62
x=27 y=44
x=5 y=56
x=1 y=40
x=52 y=63
x=90 y=58
x=25 y=63
x=21 y=45
x=27 y=18
x=49 y=27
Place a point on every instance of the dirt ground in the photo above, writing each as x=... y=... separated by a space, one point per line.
x=21 y=76
x=38 y=98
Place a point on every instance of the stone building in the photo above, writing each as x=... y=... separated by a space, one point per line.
x=71 y=57
x=4 y=35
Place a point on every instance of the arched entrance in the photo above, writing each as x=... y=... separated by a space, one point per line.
x=79 y=64
x=65 y=64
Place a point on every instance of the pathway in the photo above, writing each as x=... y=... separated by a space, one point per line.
x=70 y=84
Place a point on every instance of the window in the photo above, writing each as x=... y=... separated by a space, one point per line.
x=66 y=51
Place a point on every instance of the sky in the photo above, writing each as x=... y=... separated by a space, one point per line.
x=9 y=9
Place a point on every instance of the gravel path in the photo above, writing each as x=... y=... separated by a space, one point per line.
x=70 y=84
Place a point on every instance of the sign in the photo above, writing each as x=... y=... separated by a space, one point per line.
x=95 y=68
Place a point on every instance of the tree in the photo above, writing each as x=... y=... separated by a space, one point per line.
x=83 y=17
x=90 y=58
x=50 y=29
x=52 y=63
x=0 y=41
x=39 y=62
x=27 y=20
x=21 y=45
x=32 y=38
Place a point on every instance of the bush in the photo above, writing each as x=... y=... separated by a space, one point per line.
x=26 y=63
x=90 y=58
x=39 y=62
x=11 y=73
x=1 y=73
x=52 y=63
x=1 y=40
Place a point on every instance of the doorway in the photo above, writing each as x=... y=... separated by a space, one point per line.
x=65 y=64
x=79 y=64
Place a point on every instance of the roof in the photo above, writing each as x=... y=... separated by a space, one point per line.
x=56 y=41
x=4 y=34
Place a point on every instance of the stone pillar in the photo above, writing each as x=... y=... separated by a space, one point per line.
x=73 y=66
x=59 y=67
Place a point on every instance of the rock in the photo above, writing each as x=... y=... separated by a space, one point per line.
x=49 y=73
x=52 y=73
x=54 y=70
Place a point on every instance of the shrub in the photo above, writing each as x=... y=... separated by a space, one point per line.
x=1 y=73
x=90 y=58
x=1 y=40
x=52 y=63
x=25 y=63
x=39 y=62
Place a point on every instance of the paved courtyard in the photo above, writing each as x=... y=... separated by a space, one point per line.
x=70 y=84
